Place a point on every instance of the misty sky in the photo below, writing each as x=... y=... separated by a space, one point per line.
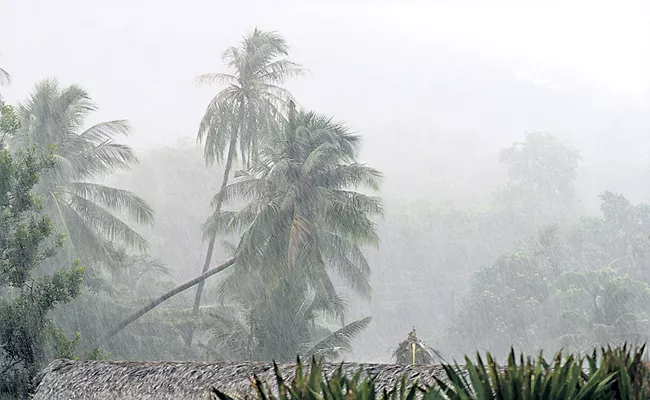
x=432 y=84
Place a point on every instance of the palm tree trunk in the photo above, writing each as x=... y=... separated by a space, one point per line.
x=213 y=238
x=154 y=303
x=232 y=148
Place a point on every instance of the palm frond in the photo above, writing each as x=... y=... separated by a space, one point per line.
x=280 y=71
x=320 y=158
x=115 y=200
x=339 y=341
x=82 y=238
x=230 y=335
x=230 y=247
x=217 y=125
x=105 y=131
x=5 y=77
x=246 y=188
x=106 y=223
x=348 y=261
x=351 y=223
x=218 y=222
x=216 y=78
x=351 y=176
x=103 y=159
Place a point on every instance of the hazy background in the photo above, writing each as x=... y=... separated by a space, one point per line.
x=436 y=88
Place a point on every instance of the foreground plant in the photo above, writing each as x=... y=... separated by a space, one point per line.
x=313 y=385
x=619 y=373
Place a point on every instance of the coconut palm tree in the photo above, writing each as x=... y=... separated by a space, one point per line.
x=304 y=216
x=246 y=110
x=84 y=210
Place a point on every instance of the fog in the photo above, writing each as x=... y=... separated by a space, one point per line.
x=436 y=89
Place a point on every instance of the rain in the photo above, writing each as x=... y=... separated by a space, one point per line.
x=214 y=181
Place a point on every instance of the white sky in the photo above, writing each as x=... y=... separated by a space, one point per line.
x=604 y=42
x=138 y=58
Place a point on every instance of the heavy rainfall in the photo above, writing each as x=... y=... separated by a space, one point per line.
x=213 y=181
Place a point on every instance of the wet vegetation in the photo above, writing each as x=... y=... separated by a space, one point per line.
x=258 y=245
x=611 y=373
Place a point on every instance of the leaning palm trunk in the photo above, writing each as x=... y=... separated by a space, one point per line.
x=156 y=302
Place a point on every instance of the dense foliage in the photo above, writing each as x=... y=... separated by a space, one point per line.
x=569 y=288
x=27 y=336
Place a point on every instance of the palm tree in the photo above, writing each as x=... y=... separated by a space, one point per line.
x=83 y=209
x=304 y=215
x=303 y=218
x=246 y=110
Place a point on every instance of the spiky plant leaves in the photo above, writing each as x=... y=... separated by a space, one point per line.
x=217 y=394
x=520 y=379
x=479 y=378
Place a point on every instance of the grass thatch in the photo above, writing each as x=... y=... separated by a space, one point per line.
x=65 y=379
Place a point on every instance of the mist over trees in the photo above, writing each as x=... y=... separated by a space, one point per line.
x=320 y=257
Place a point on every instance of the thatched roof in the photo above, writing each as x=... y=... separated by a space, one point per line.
x=66 y=380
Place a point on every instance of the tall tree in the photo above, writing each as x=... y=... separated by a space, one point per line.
x=304 y=220
x=304 y=212
x=246 y=110
x=85 y=211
